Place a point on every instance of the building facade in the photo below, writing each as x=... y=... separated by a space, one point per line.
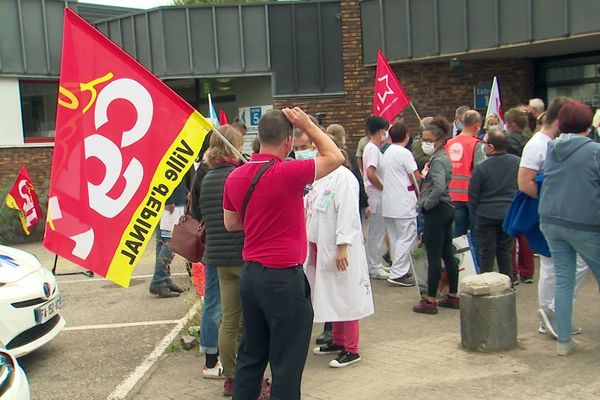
x=319 y=55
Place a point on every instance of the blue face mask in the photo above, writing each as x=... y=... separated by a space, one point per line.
x=459 y=126
x=305 y=154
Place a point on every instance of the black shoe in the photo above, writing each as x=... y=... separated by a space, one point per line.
x=387 y=258
x=526 y=279
x=328 y=349
x=163 y=292
x=174 y=288
x=405 y=280
x=324 y=338
x=344 y=359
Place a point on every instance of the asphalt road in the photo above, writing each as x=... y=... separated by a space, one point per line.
x=95 y=353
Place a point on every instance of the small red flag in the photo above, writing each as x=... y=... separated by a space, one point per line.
x=223 y=118
x=22 y=197
x=389 y=97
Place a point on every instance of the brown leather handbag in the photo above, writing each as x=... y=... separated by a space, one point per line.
x=189 y=238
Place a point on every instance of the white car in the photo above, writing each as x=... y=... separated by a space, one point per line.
x=29 y=302
x=13 y=381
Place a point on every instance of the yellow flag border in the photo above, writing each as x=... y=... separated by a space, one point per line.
x=150 y=209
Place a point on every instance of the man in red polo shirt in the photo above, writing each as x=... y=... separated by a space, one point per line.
x=274 y=292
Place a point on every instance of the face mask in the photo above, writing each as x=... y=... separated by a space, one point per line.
x=305 y=154
x=385 y=136
x=495 y=127
x=459 y=126
x=428 y=148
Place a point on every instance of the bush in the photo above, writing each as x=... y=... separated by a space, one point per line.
x=11 y=230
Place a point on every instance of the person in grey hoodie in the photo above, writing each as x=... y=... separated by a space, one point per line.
x=491 y=190
x=569 y=209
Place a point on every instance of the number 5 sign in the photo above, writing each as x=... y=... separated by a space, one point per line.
x=124 y=141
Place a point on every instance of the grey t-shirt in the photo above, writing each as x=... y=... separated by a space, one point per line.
x=361 y=146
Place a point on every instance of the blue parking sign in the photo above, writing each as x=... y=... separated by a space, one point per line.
x=255 y=114
x=481 y=96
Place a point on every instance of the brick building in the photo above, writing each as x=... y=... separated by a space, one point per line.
x=320 y=55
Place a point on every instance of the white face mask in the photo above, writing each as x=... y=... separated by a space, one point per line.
x=305 y=154
x=494 y=127
x=428 y=148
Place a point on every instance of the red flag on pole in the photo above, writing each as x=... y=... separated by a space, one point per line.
x=389 y=97
x=223 y=117
x=124 y=141
x=22 y=197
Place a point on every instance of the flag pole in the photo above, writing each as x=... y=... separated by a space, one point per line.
x=417 y=114
x=215 y=131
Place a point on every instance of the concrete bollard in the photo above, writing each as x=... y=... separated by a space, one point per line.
x=488 y=313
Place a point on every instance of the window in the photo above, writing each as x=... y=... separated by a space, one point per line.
x=38 y=108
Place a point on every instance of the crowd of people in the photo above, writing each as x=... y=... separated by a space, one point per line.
x=284 y=228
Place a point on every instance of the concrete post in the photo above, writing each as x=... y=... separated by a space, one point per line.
x=488 y=313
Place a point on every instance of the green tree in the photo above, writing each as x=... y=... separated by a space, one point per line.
x=188 y=2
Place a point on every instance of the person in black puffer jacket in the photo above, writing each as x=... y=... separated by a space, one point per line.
x=222 y=257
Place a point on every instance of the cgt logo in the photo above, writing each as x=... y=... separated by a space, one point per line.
x=28 y=206
x=122 y=177
x=455 y=151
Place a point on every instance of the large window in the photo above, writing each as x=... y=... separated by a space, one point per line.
x=38 y=108
x=576 y=77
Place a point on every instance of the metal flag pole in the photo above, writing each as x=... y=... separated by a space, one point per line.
x=89 y=274
x=414 y=273
x=417 y=114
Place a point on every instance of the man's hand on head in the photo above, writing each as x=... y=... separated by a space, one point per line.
x=298 y=118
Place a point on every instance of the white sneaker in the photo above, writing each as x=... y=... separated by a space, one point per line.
x=380 y=274
x=344 y=359
x=576 y=330
x=213 y=373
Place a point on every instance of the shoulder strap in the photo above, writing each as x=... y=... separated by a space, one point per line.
x=255 y=180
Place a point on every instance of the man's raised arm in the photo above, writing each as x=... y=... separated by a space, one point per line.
x=329 y=157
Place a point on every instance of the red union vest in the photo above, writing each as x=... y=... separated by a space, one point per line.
x=461 y=150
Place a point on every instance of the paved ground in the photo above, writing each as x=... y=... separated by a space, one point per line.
x=405 y=355
x=87 y=361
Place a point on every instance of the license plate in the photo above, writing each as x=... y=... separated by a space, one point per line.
x=48 y=310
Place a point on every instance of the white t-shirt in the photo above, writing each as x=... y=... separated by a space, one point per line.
x=534 y=152
x=398 y=201
x=372 y=158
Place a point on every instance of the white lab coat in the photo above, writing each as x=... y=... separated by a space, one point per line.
x=333 y=218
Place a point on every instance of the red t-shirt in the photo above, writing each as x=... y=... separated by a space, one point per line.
x=274 y=225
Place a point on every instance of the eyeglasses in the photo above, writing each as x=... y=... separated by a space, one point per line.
x=428 y=140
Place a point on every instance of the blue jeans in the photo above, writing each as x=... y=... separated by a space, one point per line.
x=565 y=243
x=162 y=265
x=211 y=313
x=462 y=219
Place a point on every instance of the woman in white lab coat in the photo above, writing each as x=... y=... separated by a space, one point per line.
x=337 y=263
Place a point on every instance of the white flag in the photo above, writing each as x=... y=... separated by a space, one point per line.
x=495 y=105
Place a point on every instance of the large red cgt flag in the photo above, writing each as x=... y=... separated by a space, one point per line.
x=22 y=197
x=389 y=97
x=124 y=141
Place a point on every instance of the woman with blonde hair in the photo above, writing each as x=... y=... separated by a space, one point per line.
x=223 y=259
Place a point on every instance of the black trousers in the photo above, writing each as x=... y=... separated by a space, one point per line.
x=278 y=317
x=492 y=243
x=437 y=237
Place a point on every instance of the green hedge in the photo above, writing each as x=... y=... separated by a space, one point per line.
x=11 y=231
